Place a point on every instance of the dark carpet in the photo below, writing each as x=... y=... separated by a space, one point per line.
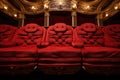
x=82 y=75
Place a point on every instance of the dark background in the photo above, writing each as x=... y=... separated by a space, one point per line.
x=58 y=16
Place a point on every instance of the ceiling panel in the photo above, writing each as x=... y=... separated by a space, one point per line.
x=104 y=8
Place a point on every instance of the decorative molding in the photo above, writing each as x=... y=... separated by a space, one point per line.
x=88 y=7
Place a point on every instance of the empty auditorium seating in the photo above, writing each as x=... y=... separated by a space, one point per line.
x=60 y=49
x=21 y=56
x=97 y=56
x=59 y=54
x=6 y=34
x=112 y=35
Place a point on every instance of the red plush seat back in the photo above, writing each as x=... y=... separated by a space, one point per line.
x=31 y=34
x=112 y=35
x=89 y=34
x=6 y=34
x=60 y=34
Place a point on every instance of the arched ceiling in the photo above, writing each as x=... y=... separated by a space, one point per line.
x=18 y=8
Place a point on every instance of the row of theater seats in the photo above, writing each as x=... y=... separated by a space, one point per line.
x=60 y=49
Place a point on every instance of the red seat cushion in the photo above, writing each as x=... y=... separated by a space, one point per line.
x=18 y=60
x=101 y=60
x=101 y=52
x=89 y=34
x=18 y=54
x=31 y=34
x=112 y=35
x=59 y=51
x=6 y=34
x=59 y=34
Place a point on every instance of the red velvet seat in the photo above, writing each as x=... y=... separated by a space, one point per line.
x=112 y=35
x=14 y=59
x=101 y=60
x=22 y=55
x=31 y=34
x=60 y=49
x=91 y=37
x=60 y=54
x=6 y=34
x=97 y=58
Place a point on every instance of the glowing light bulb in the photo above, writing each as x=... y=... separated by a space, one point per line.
x=5 y=7
x=88 y=7
x=60 y=3
x=116 y=7
x=106 y=14
x=74 y=6
x=33 y=7
x=15 y=15
x=46 y=6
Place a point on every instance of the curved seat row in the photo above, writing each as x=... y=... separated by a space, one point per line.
x=60 y=49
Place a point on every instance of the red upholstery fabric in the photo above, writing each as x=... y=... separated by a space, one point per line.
x=97 y=57
x=59 y=52
x=89 y=35
x=101 y=52
x=101 y=56
x=101 y=60
x=24 y=52
x=59 y=38
x=97 y=49
x=59 y=60
x=6 y=34
x=60 y=34
x=31 y=34
x=112 y=35
x=18 y=59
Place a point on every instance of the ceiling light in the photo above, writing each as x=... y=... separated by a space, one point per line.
x=5 y=7
x=106 y=15
x=116 y=7
x=88 y=7
x=60 y=3
x=46 y=6
x=74 y=6
x=33 y=8
x=15 y=15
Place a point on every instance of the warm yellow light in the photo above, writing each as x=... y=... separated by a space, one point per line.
x=74 y=6
x=60 y=3
x=15 y=15
x=33 y=7
x=106 y=14
x=46 y=6
x=116 y=7
x=88 y=7
x=5 y=7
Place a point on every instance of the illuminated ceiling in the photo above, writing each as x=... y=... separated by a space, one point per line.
x=103 y=8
